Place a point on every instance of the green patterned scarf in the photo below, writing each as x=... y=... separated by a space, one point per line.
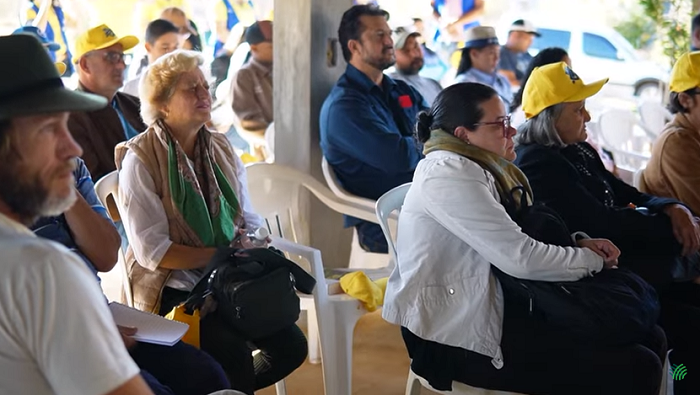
x=507 y=175
x=201 y=192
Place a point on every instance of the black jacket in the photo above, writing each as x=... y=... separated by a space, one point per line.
x=574 y=182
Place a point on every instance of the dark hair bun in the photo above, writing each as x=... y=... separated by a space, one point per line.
x=423 y=125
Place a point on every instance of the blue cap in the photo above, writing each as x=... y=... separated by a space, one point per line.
x=34 y=31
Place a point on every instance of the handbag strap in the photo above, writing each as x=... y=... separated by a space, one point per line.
x=202 y=289
x=303 y=281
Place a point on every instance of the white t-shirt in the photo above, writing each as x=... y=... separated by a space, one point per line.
x=57 y=335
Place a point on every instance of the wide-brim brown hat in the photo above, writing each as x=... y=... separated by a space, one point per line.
x=31 y=85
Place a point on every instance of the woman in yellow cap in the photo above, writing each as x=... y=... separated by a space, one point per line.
x=660 y=243
x=674 y=168
x=458 y=322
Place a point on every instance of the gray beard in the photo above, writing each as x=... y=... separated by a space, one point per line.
x=29 y=199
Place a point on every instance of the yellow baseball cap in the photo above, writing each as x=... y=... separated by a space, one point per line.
x=61 y=67
x=553 y=84
x=686 y=72
x=98 y=38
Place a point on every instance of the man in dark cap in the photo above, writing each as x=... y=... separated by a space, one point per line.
x=252 y=85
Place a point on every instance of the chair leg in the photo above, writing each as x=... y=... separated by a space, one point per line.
x=281 y=387
x=314 y=341
x=336 y=332
x=413 y=385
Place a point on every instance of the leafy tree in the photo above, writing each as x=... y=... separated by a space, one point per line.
x=638 y=29
x=672 y=20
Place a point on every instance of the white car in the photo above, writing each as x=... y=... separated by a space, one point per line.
x=600 y=52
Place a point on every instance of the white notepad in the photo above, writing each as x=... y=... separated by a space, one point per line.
x=151 y=328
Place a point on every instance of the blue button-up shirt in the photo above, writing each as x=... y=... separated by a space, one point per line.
x=56 y=228
x=367 y=133
x=496 y=81
x=129 y=130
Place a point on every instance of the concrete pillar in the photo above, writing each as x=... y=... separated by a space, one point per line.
x=302 y=80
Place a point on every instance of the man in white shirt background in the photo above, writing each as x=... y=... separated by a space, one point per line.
x=57 y=335
x=409 y=62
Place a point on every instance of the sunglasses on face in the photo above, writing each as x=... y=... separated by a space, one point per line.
x=504 y=123
x=113 y=57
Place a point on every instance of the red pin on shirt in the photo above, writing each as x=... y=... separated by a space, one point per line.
x=405 y=101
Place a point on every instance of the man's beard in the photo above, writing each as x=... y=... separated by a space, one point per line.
x=380 y=63
x=28 y=197
x=413 y=68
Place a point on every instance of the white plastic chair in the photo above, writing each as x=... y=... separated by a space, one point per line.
x=277 y=193
x=387 y=204
x=617 y=133
x=359 y=258
x=638 y=181
x=654 y=117
x=106 y=186
x=109 y=185
x=415 y=382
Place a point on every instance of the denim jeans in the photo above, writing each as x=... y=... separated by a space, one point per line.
x=371 y=238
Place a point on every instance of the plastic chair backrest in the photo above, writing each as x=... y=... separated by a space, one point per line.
x=638 y=180
x=106 y=186
x=338 y=190
x=277 y=194
x=386 y=204
x=617 y=128
x=654 y=116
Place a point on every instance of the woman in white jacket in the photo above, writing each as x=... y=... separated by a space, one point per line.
x=443 y=294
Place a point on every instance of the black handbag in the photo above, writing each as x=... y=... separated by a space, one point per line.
x=612 y=307
x=254 y=289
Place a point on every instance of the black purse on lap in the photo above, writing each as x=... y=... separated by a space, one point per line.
x=254 y=290
x=613 y=307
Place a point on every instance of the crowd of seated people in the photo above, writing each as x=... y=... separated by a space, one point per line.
x=444 y=294
x=183 y=194
x=51 y=191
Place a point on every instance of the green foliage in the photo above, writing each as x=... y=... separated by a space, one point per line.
x=638 y=29
x=671 y=18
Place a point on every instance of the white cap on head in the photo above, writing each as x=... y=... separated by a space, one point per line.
x=522 y=25
x=402 y=33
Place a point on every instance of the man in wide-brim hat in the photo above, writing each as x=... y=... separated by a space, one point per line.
x=57 y=335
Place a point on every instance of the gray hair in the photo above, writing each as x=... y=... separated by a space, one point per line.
x=540 y=128
x=158 y=82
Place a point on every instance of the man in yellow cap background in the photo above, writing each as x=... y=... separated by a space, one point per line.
x=674 y=168
x=99 y=54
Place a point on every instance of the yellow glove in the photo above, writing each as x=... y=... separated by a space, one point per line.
x=360 y=287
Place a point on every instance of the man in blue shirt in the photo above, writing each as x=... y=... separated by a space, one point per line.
x=367 y=119
x=85 y=228
x=514 y=58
